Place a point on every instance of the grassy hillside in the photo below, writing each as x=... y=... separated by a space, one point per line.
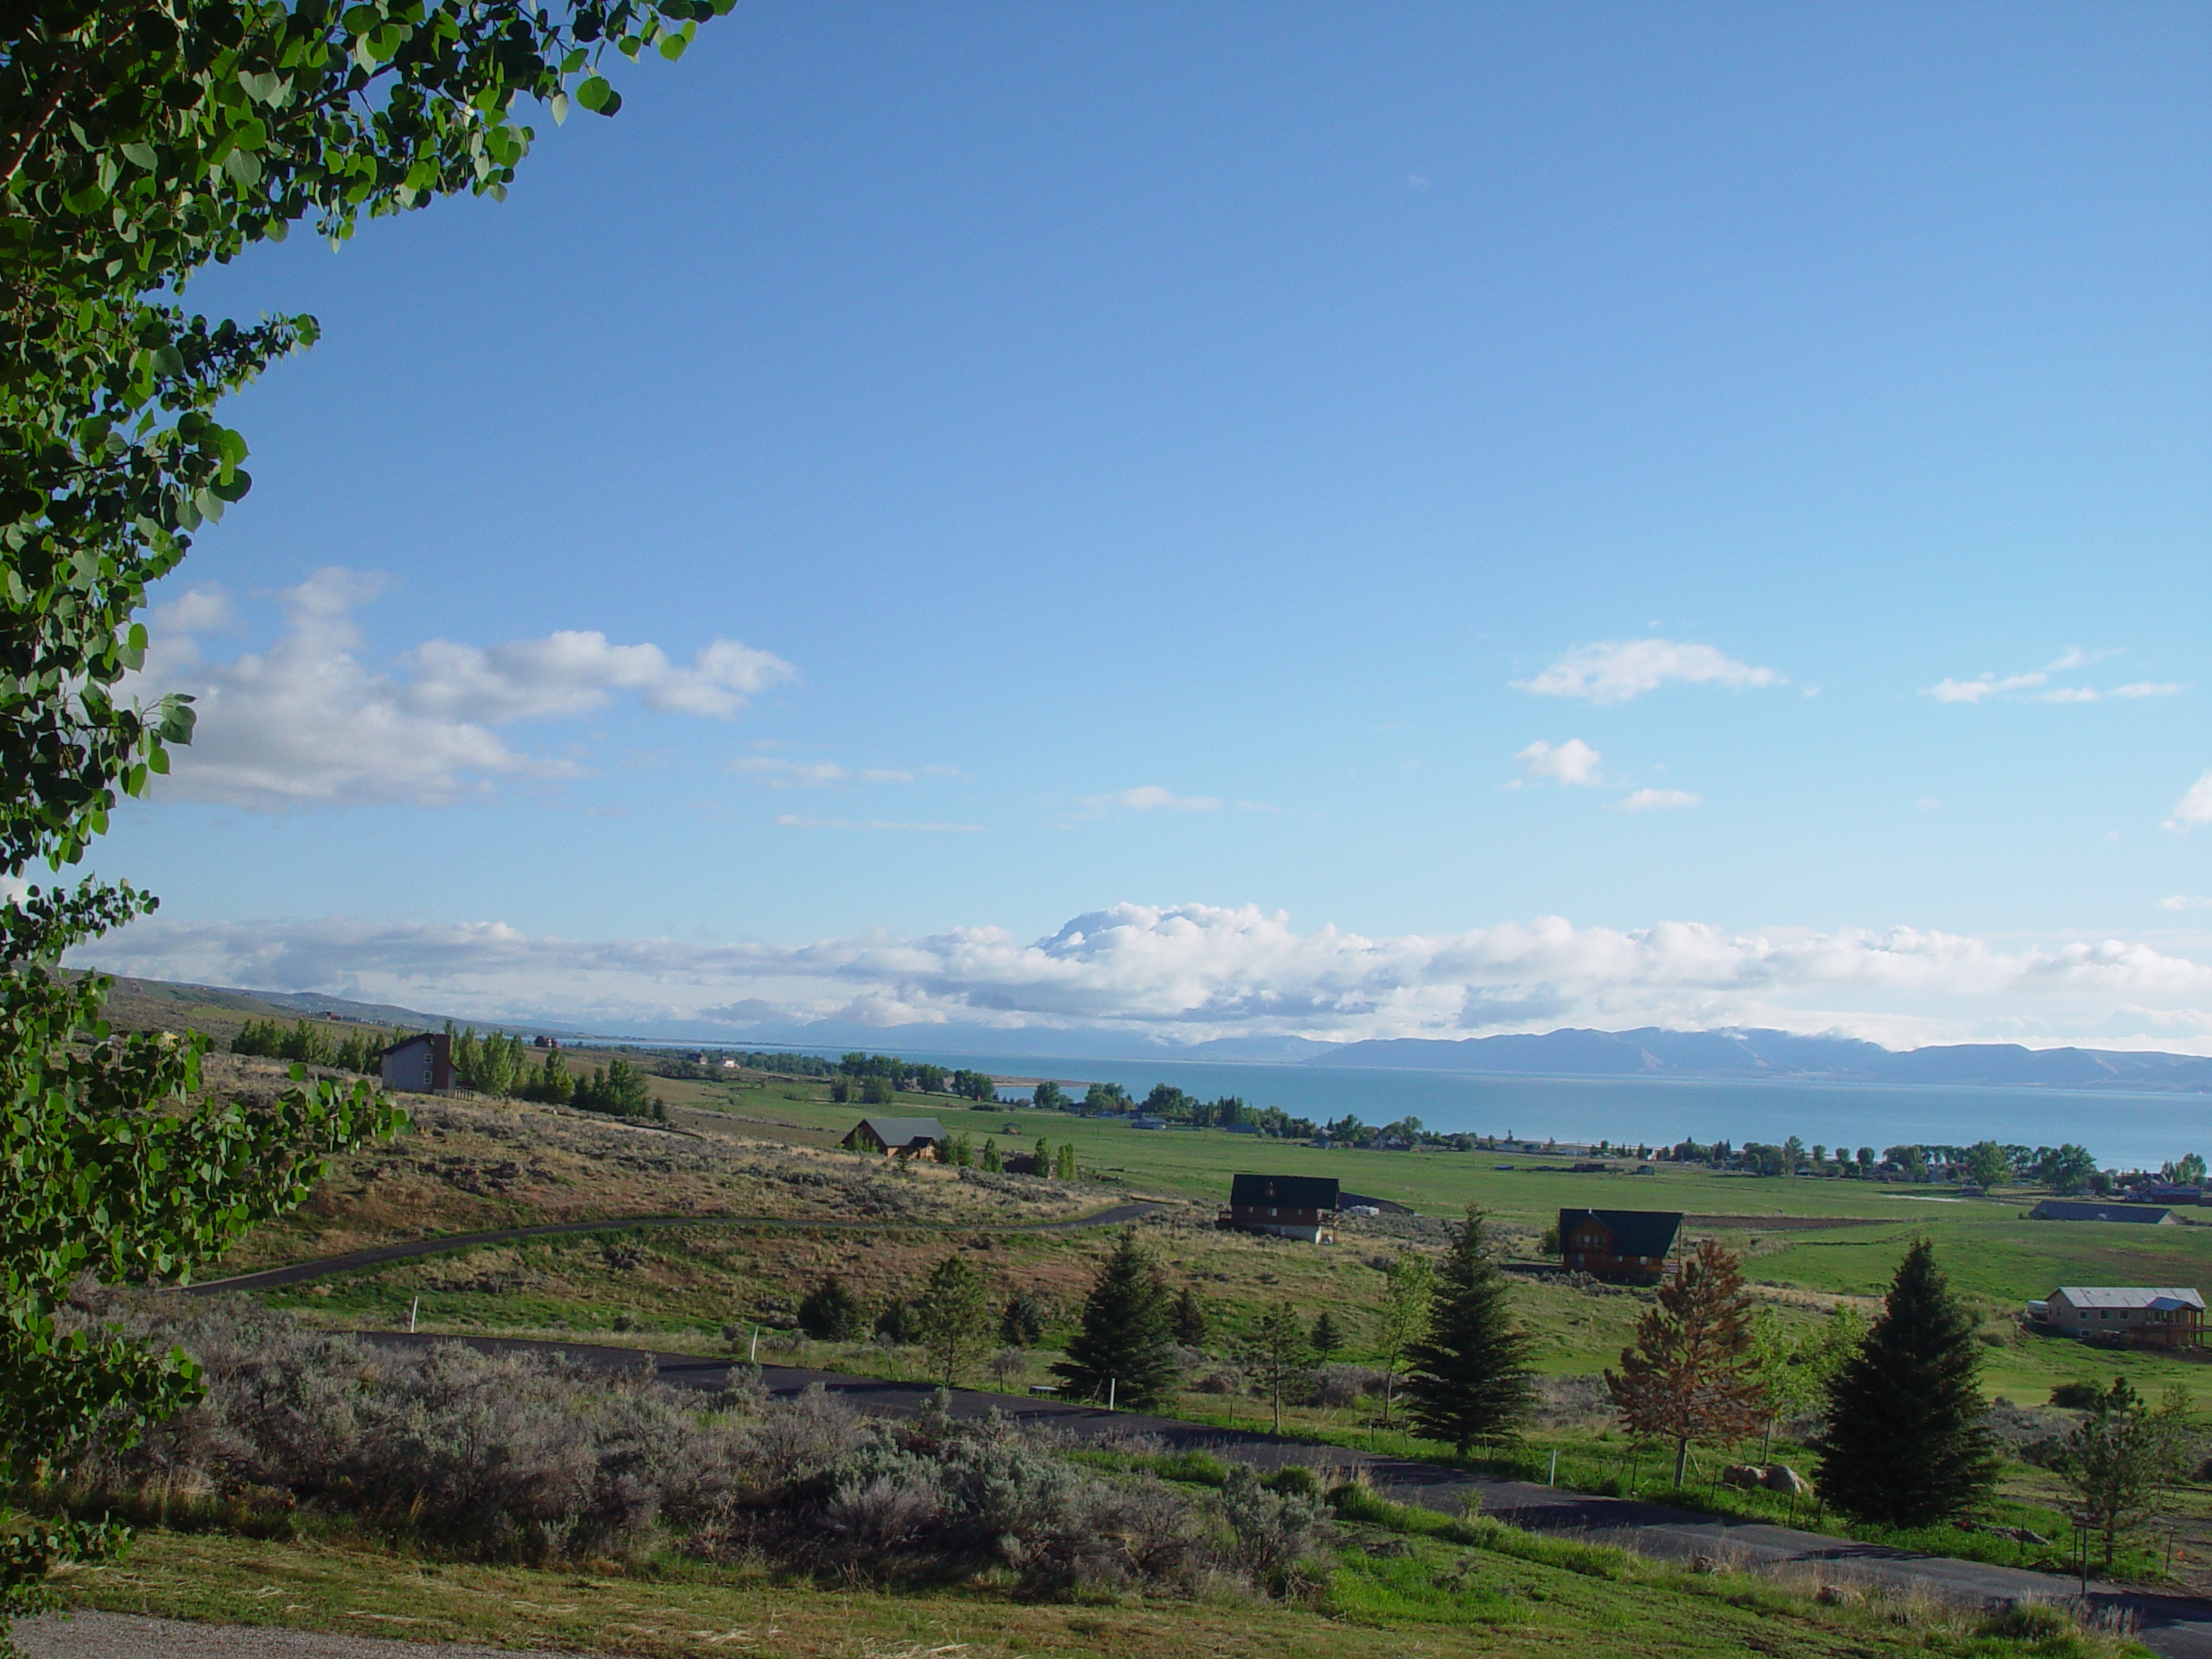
x=763 y=1145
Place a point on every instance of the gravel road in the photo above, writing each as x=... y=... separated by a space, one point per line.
x=118 y=1636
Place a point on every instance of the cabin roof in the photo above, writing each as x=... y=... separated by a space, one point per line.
x=2166 y=1298
x=903 y=1131
x=1636 y=1232
x=1284 y=1192
x=2060 y=1210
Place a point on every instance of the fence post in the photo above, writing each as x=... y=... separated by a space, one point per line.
x=414 y=1307
x=1551 y=1479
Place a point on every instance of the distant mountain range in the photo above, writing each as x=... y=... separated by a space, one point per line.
x=1649 y=1053
x=1652 y=1052
x=146 y=1003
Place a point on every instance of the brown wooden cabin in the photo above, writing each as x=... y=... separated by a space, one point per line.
x=897 y=1137
x=1296 y=1206
x=1623 y=1247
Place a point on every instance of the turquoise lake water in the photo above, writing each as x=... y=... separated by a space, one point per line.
x=2124 y=1129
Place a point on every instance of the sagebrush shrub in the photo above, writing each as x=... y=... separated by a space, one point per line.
x=513 y=1455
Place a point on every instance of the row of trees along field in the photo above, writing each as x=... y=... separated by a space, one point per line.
x=878 y=1079
x=496 y=1062
x=1903 y=1441
x=311 y=1042
x=2068 y=1168
x=142 y=145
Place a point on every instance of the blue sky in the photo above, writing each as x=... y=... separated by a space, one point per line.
x=1351 y=520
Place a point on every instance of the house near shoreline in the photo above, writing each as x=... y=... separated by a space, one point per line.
x=1622 y=1247
x=920 y=1138
x=2166 y=1316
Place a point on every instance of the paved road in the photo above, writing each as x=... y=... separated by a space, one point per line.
x=2178 y=1626
x=408 y=1248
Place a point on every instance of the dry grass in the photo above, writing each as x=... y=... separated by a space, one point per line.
x=474 y=1166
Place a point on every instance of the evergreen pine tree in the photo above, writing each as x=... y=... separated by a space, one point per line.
x=832 y=1313
x=1124 y=1338
x=1280 y=1351
x=955 y=1315
x=1469 y=1379
x=1021 y=1324
x=1326 y=1339
x=1188 y=1319
x=1905 y=1445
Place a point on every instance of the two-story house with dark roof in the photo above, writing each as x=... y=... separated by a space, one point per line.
x=1296 y=1206
x=1623 y=1247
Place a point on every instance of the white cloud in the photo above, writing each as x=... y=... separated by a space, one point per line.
x=197 y=610
x=1649 y=800
x=2028 y=686
x=574 y=671
x=776 y=772
x=1987 y=686
x=1186 y=972
x=1151 y=798
x=307 y=722
x=2184 y=901
x=795 y=821
x=2194 y=809
x=1571 y=762
x=1614 y=671
x=1930 y=804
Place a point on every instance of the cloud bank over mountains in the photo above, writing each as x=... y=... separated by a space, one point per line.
x=1182 y=974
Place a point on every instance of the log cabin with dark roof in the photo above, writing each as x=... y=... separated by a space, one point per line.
x=898 y=1137
x=1622 y=1247
x=1294 y=1206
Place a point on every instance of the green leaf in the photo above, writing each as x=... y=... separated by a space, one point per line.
x=596 y=95
x=244 y=167
x=671 y=48
x=140 y=156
